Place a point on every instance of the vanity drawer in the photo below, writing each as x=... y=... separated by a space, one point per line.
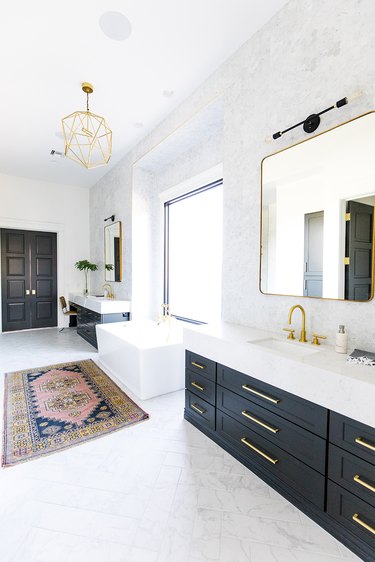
x=355 y=514
x=200 y=410
x=296 y=409
x=353 y=473
x=278 y=463
x=201 y=386
x=306 y=446
x=200 y=365
x=115 y=317
x=353 y=436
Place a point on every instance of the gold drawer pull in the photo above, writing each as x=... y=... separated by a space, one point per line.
x=249 y=389
x=198 y=365
x=363 y=524
x=270 y=459
x=198 y=386
x=364 y=443
x=359 y=480
x=248 y=416
x=197 y=409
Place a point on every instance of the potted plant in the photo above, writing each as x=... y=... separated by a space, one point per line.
x=86 y=266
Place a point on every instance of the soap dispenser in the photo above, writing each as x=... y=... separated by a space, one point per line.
x=341 y=340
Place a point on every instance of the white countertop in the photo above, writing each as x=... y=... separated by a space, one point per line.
x=323 y=377
x=102 y=305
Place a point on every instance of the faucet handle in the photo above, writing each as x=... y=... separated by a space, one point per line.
x=316 y=338
x=291 y=333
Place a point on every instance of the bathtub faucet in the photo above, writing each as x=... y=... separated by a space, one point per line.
x=165 y=316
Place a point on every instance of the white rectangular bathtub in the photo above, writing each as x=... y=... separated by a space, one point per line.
x=147 y=357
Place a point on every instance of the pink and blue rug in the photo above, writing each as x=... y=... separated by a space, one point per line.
x=52 y=408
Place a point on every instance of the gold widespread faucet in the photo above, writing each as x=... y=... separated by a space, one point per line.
x=303 y=329
x=109 y=289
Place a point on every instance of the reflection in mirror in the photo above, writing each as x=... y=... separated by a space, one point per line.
x=317 y=215
x=112 y=252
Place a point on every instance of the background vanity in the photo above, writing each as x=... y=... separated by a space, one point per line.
x=93 y=310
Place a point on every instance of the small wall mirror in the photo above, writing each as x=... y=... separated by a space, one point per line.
x=113 y=252
x=317 y=231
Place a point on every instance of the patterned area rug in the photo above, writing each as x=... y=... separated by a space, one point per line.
x=55 y=407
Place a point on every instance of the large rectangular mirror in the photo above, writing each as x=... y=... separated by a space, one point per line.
x=317 y=231
x=113 y=252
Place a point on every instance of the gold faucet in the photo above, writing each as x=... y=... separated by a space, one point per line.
x=109 y=290
x=303 y=329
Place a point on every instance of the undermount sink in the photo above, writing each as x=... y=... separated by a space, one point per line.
x=292 y=349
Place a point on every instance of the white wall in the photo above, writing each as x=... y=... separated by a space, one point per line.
x=37 y=205
x=302 y=61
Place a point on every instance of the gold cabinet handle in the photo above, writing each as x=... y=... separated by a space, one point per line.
x=27 y=291
x=197 y=409
x=198 y=386
x=198 y=365
x=359 y=521
x=361 y=482
x=255 y=420
x=249 y=389
x=264 y=455
x=364 y=443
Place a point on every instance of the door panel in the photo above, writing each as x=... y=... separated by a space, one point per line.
x=15 y=280
x=313 y=274
x=16 y=312
x=29 y=279
x=43 y=279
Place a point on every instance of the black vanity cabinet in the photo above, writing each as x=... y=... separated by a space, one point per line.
x=88 y=319
x=200 y=381
x=351 y=474
x=321 y=461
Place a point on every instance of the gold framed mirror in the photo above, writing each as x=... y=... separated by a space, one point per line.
x=317 y=211
x=113 y=252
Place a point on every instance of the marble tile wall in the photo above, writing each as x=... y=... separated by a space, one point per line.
x=302 y=61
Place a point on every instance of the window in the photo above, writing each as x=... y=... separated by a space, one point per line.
x=193 y=254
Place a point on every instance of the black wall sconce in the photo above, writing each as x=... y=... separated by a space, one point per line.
x=112 y=218
x=312 y=122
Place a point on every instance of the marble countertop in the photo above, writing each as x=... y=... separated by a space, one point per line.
x=101 y=305
x=322 y=376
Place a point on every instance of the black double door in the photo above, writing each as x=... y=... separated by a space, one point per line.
x=28 y=279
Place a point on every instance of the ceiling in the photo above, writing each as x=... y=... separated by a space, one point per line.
x=48 y=49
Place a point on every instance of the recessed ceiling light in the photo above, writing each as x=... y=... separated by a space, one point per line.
x=115 y=25
x=168 y=93
x=138 y=125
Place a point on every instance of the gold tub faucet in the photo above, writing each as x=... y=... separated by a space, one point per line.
x=303 y=329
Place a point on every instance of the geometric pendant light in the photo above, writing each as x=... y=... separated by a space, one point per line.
x=88 y=139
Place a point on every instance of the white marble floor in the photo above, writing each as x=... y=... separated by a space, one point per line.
x=156 y=492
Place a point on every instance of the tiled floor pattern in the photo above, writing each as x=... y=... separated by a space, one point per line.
x=156 y=492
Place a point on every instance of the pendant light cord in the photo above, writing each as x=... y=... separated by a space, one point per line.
x=87 y=102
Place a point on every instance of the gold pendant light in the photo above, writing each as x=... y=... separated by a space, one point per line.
x=88 y=139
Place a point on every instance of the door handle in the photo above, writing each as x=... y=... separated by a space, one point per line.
x=33 y=292
x=27 y=292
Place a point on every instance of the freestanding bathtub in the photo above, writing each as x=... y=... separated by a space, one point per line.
x=147 y=357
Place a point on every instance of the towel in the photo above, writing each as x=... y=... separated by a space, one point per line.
x=360 y=357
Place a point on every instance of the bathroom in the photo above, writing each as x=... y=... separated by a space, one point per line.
x=181 y=495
